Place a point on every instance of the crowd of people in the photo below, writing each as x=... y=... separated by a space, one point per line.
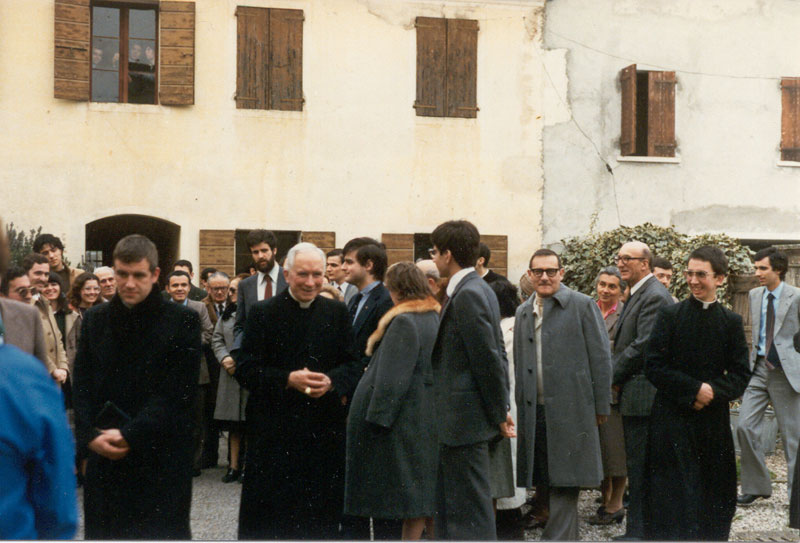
x=414 y=401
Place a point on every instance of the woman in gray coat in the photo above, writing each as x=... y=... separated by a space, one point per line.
x=391 y=445
x=231 y=398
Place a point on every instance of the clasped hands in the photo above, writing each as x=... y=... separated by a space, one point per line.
x=110 y=444
x=311 y=383
x=704 y=397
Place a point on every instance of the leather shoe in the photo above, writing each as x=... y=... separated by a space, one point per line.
x=602 y=518
x=196 y=473
x=747 y=499
x=626 y=537
x=231 y=476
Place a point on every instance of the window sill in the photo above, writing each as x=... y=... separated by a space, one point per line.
x=650 y=159
x=270 y=113
x=115 y=107
x=788 y=164
x=439 y=121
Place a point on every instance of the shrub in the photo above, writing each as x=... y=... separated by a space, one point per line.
x=19 y=243
x=584 y=256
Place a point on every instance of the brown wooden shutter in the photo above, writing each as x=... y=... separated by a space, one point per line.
x=399 y=247
x=176 y=61
x=72 y=55
x=790 y=119
x=286 y=59
x=324 y=240
x=252 y=49
x=431 y=66
x=627 y=140
x=498 y=245
x=661 y=114
x=462 y=68
x=217 y=250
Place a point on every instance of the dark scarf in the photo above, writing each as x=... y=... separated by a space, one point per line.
x=229 y=310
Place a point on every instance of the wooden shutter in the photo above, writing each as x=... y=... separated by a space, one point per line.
x=790 y=119
x=217 y=250
x=286 y=59
x=399 y=247
x=252 y=49
x=627 y=140
x=661 y=114
x=462 y=68
x=324 y=240
x=431 y=66
x=176 y=60
x=498 y=245
x=72 y=54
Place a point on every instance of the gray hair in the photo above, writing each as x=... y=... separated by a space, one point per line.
x=611 y=270
x=303 y=247
x=102 y=269
x=218 y=275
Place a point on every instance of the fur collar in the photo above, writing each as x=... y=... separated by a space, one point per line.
x=411 y=306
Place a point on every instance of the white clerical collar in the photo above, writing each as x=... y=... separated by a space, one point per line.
x=706 y=305
x=639 y=284
x=303 y=305
x=456 y=279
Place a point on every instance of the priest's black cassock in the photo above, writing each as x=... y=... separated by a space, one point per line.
x=294 y=482
x=690 y=483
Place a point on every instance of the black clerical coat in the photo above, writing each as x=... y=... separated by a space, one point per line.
x=690 y=482
x=294 y=480
x=146 y=360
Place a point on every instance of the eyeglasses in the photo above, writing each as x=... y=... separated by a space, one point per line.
x=232 y=290
x=220 y=289
x=538 y=272
x=433 y=252
x=25 y=291
x=699 y=274
x=625 y=258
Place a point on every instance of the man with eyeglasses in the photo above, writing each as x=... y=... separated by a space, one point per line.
x=563 y=391
x=20 y=324
x=636 y=393
x=775 y=315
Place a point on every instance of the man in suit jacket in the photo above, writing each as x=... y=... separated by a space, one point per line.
x=482 y=265
x=775 y=316
x=648 y=295
x=266 y=283
x=336 y=276
x=178 y=286
x=560 y=338
x=21 y=324
x=470 y=387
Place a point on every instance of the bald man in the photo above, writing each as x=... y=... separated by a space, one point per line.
x=636 y=394
x=431 y=274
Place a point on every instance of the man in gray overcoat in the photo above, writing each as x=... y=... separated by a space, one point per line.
x=563 y=392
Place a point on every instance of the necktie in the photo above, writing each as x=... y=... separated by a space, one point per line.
x=220 y=309
x=268 y=287
x=771 y=359
x=354 y=306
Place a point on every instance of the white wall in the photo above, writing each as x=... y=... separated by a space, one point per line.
x=356 y=160
x=729 y=57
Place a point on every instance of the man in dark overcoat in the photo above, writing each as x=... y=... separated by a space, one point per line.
x=298 y=363
x=697 y=359
x=135 y=382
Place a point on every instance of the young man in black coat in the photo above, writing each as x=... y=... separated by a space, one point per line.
x=135 y=382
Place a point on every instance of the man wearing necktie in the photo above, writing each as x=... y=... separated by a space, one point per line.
x=775 y=317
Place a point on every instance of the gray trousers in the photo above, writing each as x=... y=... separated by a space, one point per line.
x=463 y=494
x=765 y=386
x=562 y=524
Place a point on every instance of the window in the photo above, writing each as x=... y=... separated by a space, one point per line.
x=790 y=119
x=269 y=58
x=124 y=54
x=648 y=113
x=447 y=64
x=138 y=52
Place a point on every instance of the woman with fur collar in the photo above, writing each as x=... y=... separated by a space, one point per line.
x=391 y=445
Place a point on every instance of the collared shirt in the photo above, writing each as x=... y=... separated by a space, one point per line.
x=184 y=303
x=262 y=282
x=341 y=287
x=456 y=279
x=364 y=295
x=609 y=312
x=303 y=305
x=538 y=314
x=762 y=330
x=639 y=283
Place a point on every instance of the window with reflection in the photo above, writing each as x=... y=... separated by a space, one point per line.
x=124 y=54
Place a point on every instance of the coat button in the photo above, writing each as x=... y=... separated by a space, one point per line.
x=529 y=402
x=530 y=370
x=530 y=339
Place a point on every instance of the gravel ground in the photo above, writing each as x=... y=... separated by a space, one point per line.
x=215 y=509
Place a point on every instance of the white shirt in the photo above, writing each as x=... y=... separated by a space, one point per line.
x=639 y=284
x=456 y=279
x=262 y=282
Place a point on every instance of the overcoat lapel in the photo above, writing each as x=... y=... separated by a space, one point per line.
x=755 y=314
x=629 y=307
x=369 y=306
x=783 y=308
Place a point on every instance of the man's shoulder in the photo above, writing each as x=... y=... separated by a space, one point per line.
x=247 y=281
x=14 y=309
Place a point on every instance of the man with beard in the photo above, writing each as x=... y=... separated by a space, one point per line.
x=298 y=363
x=267 y=282
x=135 y=385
